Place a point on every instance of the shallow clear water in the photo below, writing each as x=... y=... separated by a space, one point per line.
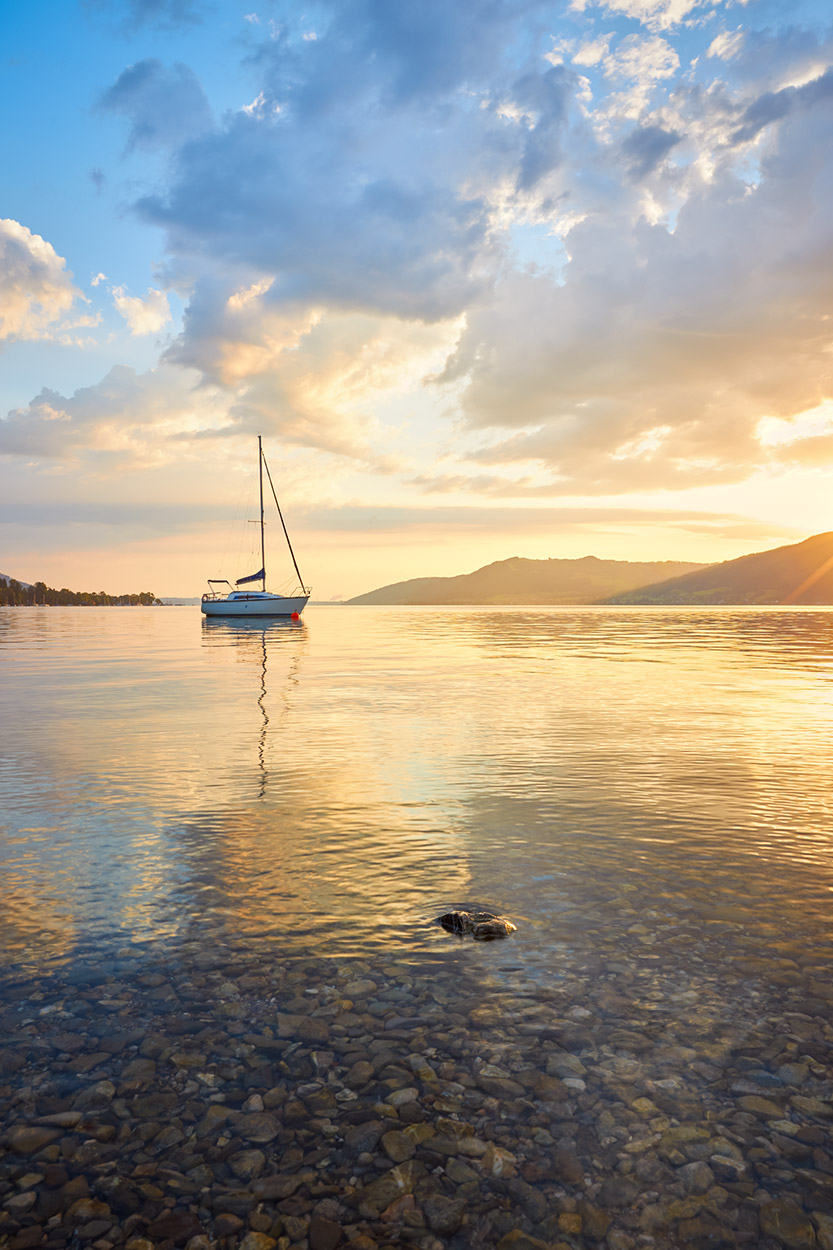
x=222 y=851
x=328 y=787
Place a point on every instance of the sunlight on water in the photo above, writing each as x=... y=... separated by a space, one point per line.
x=334 y=784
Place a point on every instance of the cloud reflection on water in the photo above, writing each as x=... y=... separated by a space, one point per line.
x=332 y=784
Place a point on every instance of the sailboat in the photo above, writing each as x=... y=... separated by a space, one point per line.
x=249 y=603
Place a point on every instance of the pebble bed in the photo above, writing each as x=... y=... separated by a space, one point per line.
x=656 y=1091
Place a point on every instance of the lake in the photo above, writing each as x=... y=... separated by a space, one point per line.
x=223 y=849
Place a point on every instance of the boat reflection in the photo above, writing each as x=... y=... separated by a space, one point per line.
x=342 y=845
x=255 y=639
x=240 y=630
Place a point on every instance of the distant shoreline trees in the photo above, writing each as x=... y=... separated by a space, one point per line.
x=14 y=594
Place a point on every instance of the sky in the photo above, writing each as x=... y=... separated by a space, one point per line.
x=497 y=278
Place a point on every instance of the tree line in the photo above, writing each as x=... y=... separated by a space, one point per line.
x=14 y=594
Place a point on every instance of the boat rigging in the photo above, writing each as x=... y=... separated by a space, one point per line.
x=249 y=603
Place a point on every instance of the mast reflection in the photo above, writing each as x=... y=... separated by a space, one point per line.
x=255 y=639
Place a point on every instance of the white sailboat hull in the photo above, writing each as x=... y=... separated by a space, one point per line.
x=253 y=605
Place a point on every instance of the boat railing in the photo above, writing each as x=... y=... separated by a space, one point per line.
x=240 y=596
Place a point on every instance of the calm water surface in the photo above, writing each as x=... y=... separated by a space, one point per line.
x=224 y=845
x=328 y=787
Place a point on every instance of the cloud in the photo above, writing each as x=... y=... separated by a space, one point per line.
x=636 y=65
x=394 y=241
x=642 y=60
x=127 y=417
x=36 y=290
x=337 y=230
x=370 y=166
x=146 y=315
x=525 y=521
x=726 y=45
x=654 y=14
x=545 y=99
x=307 y=375
x=646 y=146
x=652 y=361
x=165 y=107
x=592 y=51
x=772 y=106
x=308 y=382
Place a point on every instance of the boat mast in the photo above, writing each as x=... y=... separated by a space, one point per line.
x=262 y=537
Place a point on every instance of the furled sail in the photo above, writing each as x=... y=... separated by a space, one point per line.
x=253 y=577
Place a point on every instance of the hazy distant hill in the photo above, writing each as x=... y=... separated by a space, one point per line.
x=801 y=573
x=530 y=582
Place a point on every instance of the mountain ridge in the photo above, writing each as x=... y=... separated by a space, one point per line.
x=800 y=573
x=587 y=579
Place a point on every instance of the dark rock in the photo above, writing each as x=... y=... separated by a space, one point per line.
x=86 y=1209
x=258 y=1126
x=359 y=1074
x=295 y=1112
x=517 y=1239
x=311 y=1030
x=274 y=1188
x=176 y=1226
x=379 y=1194
x=704 y=1232
x=115 y=1042
x=153 y=1106
x=123 y=1196
x=86 y=976
x=532 y=1201
x=255 y=1240
x=698 y=1177
x=398 y=1146
x=483 y=925
x=11 y=1061
x=363 y=1137
x=28 y=1139
x=500 y=1087
x=568 y=1167
x=236 y=1201
x=617 y=1191
x=77 y=1188
x=595 y=1222
x=444 y=1215
x=226 y=1224
x=27 y=1238
x=247 y=1165
x=788 y=1224
x=324 y=1234
x=94 y=1229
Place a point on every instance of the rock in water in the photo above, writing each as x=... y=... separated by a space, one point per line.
x=479 y=924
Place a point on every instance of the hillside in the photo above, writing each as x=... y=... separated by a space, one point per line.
x=801 y=573
x=587 y=580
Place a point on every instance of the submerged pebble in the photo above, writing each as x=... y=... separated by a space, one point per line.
x=625 y=1101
